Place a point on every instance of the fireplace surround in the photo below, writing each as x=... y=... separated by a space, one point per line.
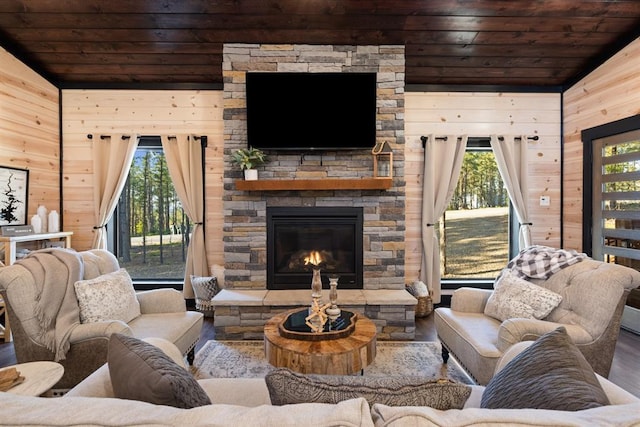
x=294 y=233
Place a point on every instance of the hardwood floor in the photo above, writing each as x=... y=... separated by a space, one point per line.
x=625 y=371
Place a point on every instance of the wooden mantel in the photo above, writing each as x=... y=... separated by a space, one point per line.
x=315 y=184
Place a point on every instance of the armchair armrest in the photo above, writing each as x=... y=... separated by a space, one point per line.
x=513 y=331
x=161 y=301
x=87 y=331
x=470 y=300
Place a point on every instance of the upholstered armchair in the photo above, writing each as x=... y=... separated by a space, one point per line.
x=50 y=320
x=593 y=298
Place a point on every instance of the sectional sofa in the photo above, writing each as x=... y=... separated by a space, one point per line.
x=246 y=401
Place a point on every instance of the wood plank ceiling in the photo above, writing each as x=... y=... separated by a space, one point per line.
x=93 y=43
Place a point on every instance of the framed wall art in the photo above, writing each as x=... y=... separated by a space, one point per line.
x=14 y=185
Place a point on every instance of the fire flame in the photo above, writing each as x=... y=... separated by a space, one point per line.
x=314 y=258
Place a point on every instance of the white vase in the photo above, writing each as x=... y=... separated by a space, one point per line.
x=54 y=222
x=42 y=213
x=250 y=174
x=36 y=223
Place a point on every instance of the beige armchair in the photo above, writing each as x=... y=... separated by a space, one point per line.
x=593 y=297
x=53 y=331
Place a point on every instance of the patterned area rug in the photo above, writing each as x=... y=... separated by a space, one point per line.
x=237 y=359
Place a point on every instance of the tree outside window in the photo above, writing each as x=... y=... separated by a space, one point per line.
x=151 y=229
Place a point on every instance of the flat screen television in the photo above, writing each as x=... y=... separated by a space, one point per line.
x=311 y=111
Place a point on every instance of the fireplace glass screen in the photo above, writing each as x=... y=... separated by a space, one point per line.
x=300 y=238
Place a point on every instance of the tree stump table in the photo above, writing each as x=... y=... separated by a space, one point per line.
x=342 y=356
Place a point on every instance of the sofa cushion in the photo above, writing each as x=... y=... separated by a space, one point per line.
x=515 y=297
x=611 y=416
x=552 y=373
x=142 y=371
x=204 y=288
x=88 y=411
x=107 y=297
x=288 y=387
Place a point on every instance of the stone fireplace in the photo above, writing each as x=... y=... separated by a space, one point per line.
x=245 y=221
x=377 y=282
x=334 y=234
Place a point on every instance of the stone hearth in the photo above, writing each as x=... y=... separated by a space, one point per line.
x=242 y=314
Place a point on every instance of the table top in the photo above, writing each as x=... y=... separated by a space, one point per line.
x=341 y=356
x=39 y=377
x=34 y=236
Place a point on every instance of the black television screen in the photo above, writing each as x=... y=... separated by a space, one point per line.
x=311 y=111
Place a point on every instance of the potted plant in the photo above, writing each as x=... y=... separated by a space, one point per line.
x=248 y=159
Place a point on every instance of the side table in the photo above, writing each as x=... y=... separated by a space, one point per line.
x=342 y=356
x=39 y=377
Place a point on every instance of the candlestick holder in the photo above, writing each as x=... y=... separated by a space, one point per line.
x=333 y=311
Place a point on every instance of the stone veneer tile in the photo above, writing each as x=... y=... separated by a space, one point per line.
x=389 y=297
x=232 y=297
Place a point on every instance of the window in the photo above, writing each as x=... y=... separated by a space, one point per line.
x=474 y=230
x=150 y=229
x=615 y=207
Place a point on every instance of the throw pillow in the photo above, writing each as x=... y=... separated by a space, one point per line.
x=141 y=371
x=552 y=373
x=288 y=387
x=204 y=289
x=107 y=297
x=515 y=297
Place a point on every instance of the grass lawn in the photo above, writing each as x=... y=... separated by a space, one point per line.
x=476 y=243
x=172 y=266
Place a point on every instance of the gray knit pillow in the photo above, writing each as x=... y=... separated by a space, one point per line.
x=552 y=373
x=141 y=371
x=288 y=387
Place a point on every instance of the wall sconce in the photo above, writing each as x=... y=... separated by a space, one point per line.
x=382 y=160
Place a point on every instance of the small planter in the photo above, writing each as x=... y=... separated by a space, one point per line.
x=251 y=174
x=247 y=159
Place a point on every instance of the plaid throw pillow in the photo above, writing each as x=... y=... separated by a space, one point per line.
x=204 y=288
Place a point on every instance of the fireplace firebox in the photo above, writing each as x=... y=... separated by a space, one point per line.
x=298 y=237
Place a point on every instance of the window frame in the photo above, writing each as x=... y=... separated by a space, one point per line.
x=144 y=142
x=484 y=144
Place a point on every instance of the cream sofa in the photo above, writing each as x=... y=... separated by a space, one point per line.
x=593 y=297
x=163 y=312
x=245 y=401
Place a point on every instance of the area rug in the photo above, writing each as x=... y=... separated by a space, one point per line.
x=238 y=359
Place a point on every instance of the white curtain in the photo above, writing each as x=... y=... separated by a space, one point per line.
x=511 y=156
x=112 y=157
x=442 y=164
x=184 y=161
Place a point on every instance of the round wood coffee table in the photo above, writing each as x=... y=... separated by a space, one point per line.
x=342 y=356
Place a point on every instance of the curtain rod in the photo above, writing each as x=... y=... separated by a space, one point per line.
x=476 y=138
x=196 y=137
x=90 y=136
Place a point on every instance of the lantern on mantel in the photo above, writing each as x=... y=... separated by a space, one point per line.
x=382 y=160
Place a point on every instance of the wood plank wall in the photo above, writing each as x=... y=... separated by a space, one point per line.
x=483 y=114
x=30 y=130
x=29 y=138
x=145 y=113
x=610 y=93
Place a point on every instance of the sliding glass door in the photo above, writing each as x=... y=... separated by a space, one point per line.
x=615 y=197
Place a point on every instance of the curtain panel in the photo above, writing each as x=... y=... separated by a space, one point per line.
x=442 y=163
x=183 y=154
x=511 y=157
x=112 y=157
